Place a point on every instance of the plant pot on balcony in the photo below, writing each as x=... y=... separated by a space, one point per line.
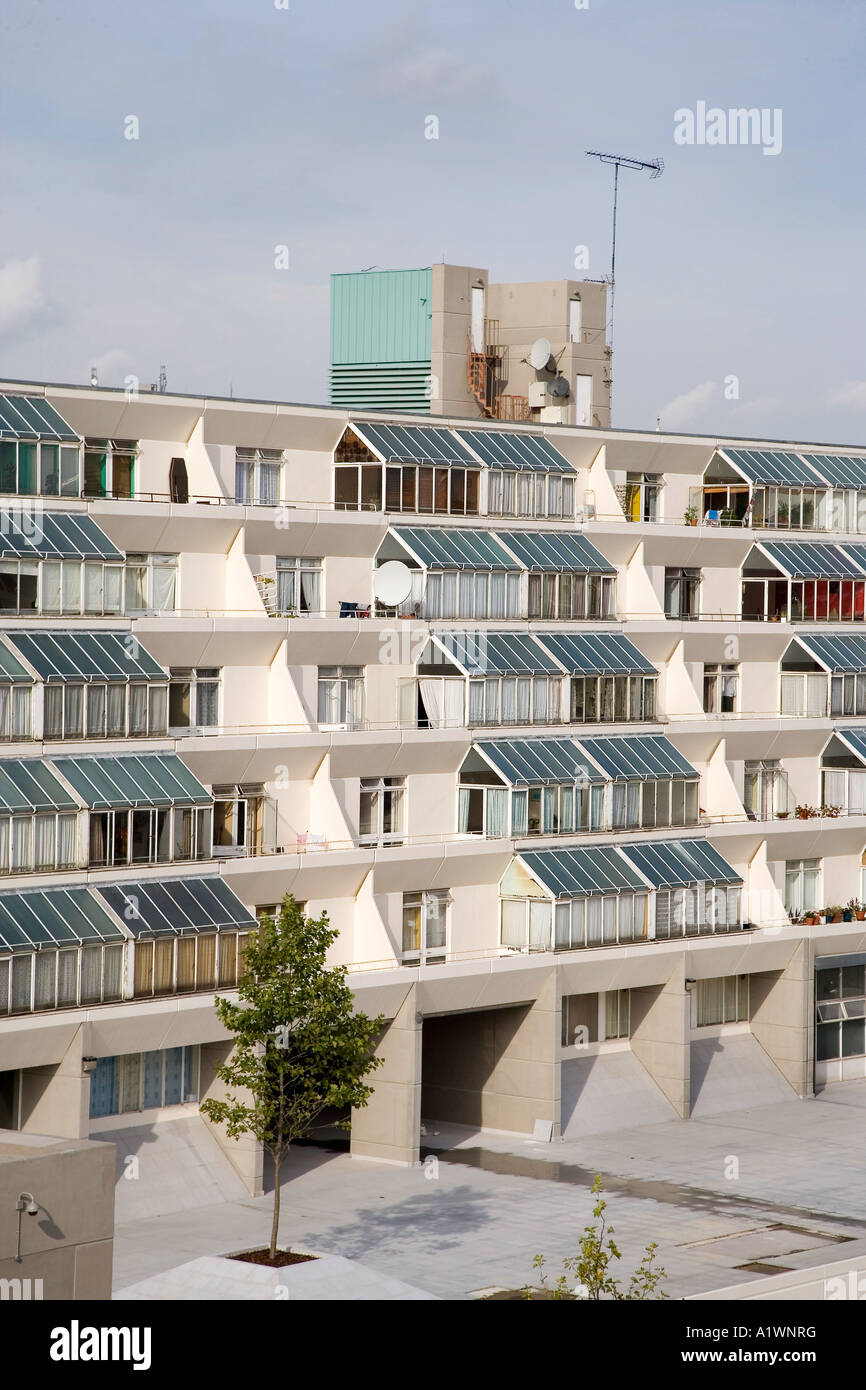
x=861 y=916
x=837 y=917
x=847 y=916
x=811 y=919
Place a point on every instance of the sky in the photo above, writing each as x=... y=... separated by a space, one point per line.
x=263 y=124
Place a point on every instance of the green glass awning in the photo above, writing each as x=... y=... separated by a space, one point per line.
x=523 y=762
x=177 y=906
x=54 y=535
x=146 y=779
x=514 y=450
x=86 y=656
x=11 y=669
x=55 y=917
x=32 y=417
x=28 y=784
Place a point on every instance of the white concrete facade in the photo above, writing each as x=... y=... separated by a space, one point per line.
x=300 y=697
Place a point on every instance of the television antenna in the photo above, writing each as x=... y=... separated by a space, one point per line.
x=655 y=169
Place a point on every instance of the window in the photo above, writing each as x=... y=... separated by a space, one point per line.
x=617 y=1013
x=109 y=467
x=382 y=814
x=721 y=683
x=425 y=917
x=724 y=999
x=840 y=994
x=579 y=1020
x=257 y=476
x=570 y=596
x=601 y=920
x=792 y=508
x=682 y=590
x=43 y=469
x=515 y=700
x=16 y=712
x=702 y=909
x=150 y=583
x=40 y=842
x=204 y=961
x=642 y=495
x=113 y=709
x=472 y=594
x=608 y=699
x=341 y=696
x=801 y=885
x=299 y=585
x=805 y=693
x=144 y=1081
x=57 y=979
x=244 y=820
x=193 y=698
x=525 y=923
x=529 y=494
x=149 y=835
x=765 y=789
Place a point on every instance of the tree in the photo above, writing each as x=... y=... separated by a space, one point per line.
x=299 y=1046
x=590 y=1270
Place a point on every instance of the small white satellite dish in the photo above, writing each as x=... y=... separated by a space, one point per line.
x=558 y=387
x=392 y=582
x=539 y=354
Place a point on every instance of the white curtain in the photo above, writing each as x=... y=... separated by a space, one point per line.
x=433 y=596
x=509 y=700
x=476 y=702
x=269 y=475
x=45 y=841
x=834 y=788
x=449 y=594
x=497 y=594
x=112 y=588
x=463 y=802
x=4 y=711
x=21 y=700
x=540 y=916
x=66 y=841
x=453 y=703
x=50 y=579
x=93 y=587
x=816 y=696
x=593 y=921
x=4 y=844
x=164 y=578
x=523 y=699
x=71 y=600
x=514 y=924
x=856 y=794
x=497 y=812
x=467 y=584
x=482 y=582
x=519 y=812
x=432 y=697
x=22 y=843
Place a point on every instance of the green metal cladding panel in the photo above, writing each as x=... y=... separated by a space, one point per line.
x=381 y=316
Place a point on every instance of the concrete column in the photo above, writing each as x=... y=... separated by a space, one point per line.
x=389 y=1125
x=782 y=1008
x=660 y=1037
x=245 y=1154
x=55 y=1099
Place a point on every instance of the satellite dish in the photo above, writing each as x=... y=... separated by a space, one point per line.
x=392 y=582
x=539 y=354
x=558 y=387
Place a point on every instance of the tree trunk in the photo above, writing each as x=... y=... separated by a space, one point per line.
x=275 y=1228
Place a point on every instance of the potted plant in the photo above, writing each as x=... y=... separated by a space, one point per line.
x=782 y=815
x=804 y=812
x=812 y=919
x=856 y=909
x=690 y=516
x=832 y=811
x=833 y=914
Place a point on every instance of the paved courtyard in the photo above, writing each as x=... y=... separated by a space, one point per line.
x=783 y=1187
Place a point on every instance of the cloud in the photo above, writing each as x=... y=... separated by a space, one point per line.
x=684 y=410
x=21 y=294
x=852 y=394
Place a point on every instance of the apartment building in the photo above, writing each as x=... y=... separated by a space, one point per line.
x=442 y=340
x=565 y=728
